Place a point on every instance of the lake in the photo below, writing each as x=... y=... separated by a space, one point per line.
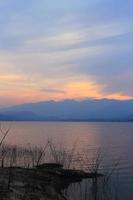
x=114 y=139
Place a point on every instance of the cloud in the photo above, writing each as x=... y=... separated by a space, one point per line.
x=67 y=46
x=48 y=90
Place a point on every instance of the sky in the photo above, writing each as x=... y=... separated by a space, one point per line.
x=65 y=49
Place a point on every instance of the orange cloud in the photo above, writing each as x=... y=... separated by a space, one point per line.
x=83 y=89
x=119 y=96
x=11 y=77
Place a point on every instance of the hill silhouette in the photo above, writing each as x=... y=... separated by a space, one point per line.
x=86 y=110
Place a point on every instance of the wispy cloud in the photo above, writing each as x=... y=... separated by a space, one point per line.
x=48 y=90
x=77 y=49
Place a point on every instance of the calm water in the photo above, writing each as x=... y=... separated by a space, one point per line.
x=115 y=139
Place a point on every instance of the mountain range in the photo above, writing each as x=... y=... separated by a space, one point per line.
x=70 y=110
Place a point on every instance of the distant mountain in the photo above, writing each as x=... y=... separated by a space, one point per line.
x=87 y=110
x=19 y=116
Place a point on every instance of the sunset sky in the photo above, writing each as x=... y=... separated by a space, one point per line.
x=65 y=49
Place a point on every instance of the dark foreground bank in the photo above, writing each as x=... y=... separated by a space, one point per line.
x=45 y=182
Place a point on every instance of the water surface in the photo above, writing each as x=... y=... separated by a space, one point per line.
x=115 y=140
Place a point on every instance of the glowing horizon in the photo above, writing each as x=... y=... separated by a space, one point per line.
x=78 y=90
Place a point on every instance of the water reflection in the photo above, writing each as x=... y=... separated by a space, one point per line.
x=115 y=140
